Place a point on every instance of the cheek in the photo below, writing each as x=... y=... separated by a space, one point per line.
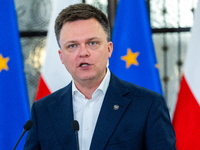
x=64 y=57
x=69 y=65
x=103 y=58
x=70 y=61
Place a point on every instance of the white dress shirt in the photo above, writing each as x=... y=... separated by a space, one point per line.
x=86 y=111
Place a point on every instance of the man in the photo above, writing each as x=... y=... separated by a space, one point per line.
x=112 y=114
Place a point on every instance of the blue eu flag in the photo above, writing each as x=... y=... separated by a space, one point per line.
x=133 y=57
x=14 y=105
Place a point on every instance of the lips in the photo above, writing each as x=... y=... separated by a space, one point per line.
x=84 y=65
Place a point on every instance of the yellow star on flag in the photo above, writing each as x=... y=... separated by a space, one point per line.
x=3 y=63
x=130 y=58
x=157 y=66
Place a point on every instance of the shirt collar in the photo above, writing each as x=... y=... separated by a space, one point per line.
x=102 y=87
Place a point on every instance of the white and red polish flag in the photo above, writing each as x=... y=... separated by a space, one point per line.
x=186 y=119
x=53 y=73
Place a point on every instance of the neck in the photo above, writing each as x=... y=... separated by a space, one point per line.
x=88 y=88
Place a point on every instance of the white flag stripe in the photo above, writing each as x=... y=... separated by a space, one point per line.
x=53 y=71
x=192 y=60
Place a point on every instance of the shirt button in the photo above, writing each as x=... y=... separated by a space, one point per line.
x=86 y=128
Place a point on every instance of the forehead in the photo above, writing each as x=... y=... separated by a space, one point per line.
x=82 y=28
x=92 y=22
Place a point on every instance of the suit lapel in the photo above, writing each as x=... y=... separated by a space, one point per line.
x=61 y=112
x=110 y=116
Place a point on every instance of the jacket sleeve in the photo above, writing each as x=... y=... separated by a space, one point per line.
x=32 y=140
x=159 y=130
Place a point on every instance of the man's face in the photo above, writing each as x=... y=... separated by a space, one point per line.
x=85 y=50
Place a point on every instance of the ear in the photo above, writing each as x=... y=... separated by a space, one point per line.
x=60 y=55
x=110 y=49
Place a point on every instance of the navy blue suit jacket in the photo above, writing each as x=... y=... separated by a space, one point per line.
x=142 y=121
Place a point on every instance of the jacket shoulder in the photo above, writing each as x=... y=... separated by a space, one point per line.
x=132 y=89
x=54 y=96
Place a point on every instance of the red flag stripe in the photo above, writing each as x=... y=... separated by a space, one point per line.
x=187 y=127
x=43 y=90
x=53 y=73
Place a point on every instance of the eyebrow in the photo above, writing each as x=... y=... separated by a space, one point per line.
x=69 y=42
x=93 y=38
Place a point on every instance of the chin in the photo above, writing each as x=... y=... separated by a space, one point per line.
x=87 y=77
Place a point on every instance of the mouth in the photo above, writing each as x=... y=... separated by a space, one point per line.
x=84 y=65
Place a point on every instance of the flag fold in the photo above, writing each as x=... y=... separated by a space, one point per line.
x=133 y=57
x=186 y=120
x=53 y=73
x=14 y=105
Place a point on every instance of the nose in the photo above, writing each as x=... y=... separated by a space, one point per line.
x=84 y=52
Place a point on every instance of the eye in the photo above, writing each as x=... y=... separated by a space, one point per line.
x=92 y=43
x=72 y=46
